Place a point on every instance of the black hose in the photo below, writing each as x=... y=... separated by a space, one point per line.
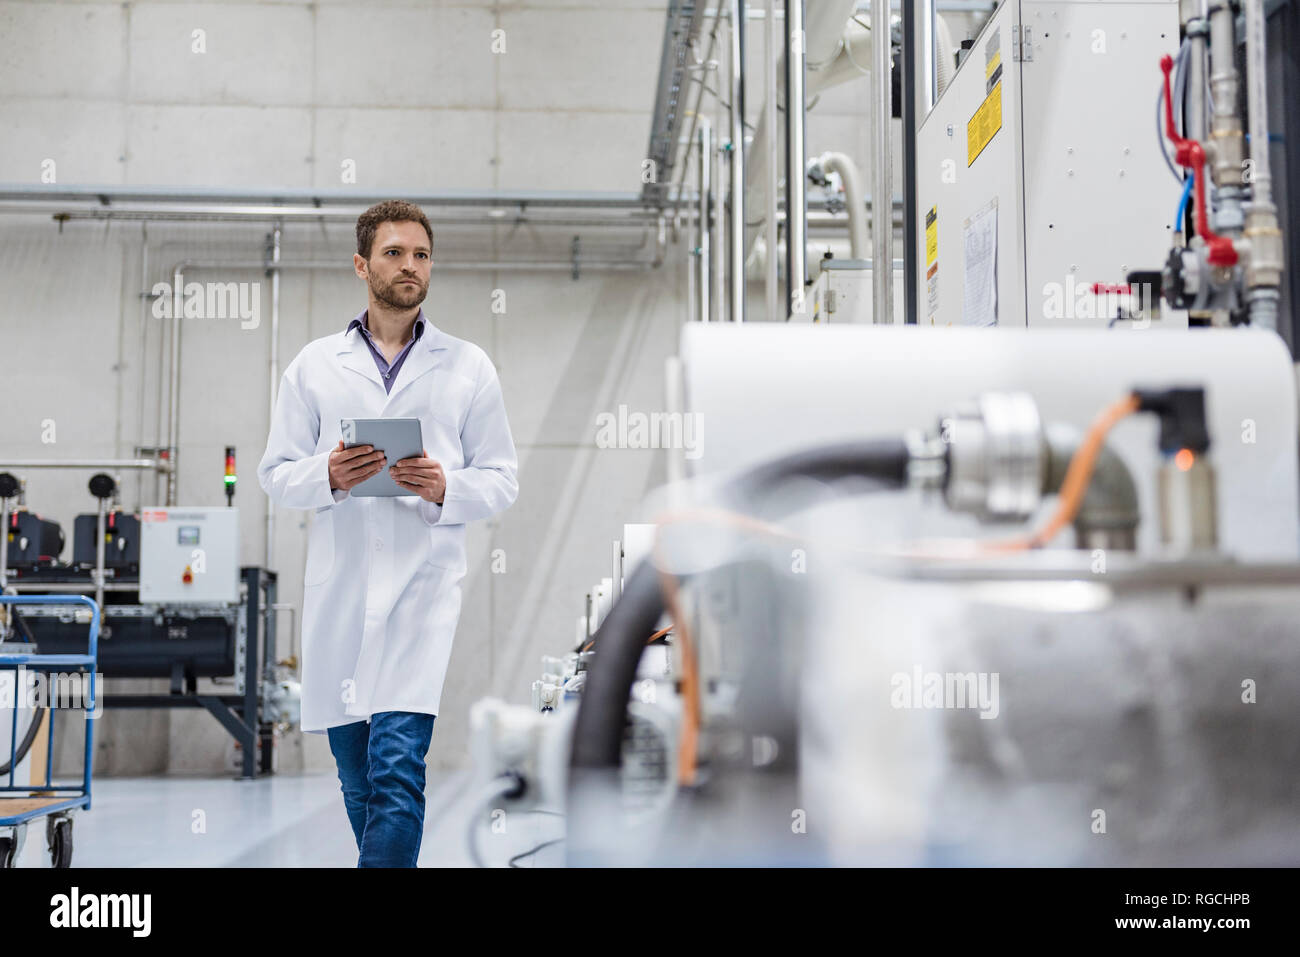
x=30 y=737
x=28 y=740
x=882 y=461
x=621 y=637
x=602 y=708
x=21 y=622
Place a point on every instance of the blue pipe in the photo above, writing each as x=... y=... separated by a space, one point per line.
x=1182 y=203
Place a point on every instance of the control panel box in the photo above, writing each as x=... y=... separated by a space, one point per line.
x=1040 y=182
x=189 y=555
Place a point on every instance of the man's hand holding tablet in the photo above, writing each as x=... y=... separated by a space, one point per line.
x=351 y=467
x=421 y=475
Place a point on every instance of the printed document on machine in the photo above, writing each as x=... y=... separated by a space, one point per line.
x=979 y=302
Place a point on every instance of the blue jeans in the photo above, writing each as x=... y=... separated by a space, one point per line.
x=381 y=768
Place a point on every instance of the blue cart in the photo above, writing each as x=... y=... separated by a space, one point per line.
x=21 y=803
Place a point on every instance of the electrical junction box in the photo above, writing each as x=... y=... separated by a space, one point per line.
x=1039 y=170
x=843 y=292
x=189 y=555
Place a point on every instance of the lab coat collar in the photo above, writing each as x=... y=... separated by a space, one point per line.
x=421 y=359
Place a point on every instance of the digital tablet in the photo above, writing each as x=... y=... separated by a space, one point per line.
x=397 y=438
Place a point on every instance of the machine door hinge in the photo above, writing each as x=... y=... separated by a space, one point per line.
x=1022 y=47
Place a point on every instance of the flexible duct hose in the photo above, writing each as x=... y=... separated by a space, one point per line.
x=943 y=60
x=602 y=709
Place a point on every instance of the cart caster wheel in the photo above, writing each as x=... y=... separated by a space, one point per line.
x=61 y=844
x=6 y=852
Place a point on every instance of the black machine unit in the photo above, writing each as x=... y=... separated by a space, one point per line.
x=185 y=647
x=33 y=540
x=121 y=541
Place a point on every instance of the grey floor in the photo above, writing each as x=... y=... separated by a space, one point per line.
x=280 y=821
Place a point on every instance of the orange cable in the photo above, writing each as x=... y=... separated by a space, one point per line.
x=1078 y=476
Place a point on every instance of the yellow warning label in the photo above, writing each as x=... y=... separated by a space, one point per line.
x=994 y=62
x=931 y=237
x=984 y=124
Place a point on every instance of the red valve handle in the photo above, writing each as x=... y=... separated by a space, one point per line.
x=1189 y=153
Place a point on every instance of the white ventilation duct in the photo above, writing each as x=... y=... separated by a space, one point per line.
x=838 y=50
x=830 y=60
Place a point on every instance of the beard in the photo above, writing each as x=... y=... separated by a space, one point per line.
x=397 y=296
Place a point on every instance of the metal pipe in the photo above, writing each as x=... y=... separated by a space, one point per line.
x=174 y=381
x=1257 y=103
x=1265 y=264
x=882 y=226
x=1194 y=115
x=278 y=200
x=911 y=238
x=274 y=271
x=99 y=553
x=691 y=138
x=616 y=573
x=83 y=464
x=702 y=248
x=827 y=62
x=62 y=213
x=4 y=562
x=768 y=147
x=159 y=399
x=796 y=267
x=1228 y=150
x=27 y=585
x=476 y=266
x=737 y=235
x=717 y=229
x=146 y=304
x=661 y=241
x=692 y=277
x=292 y=609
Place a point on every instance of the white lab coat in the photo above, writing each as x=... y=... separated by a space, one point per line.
x=381 y=588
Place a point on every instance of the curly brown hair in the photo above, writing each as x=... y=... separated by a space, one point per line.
x=389 y=211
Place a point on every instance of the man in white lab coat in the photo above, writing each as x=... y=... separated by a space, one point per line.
x=381 y=587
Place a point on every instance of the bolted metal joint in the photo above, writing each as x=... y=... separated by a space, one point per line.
x=997 y=457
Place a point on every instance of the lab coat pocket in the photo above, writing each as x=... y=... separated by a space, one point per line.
x=452 y=395
x=446 y=547
x=320 y=548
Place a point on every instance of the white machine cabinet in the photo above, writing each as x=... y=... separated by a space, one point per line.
x=1039 y=173
x=189 y=555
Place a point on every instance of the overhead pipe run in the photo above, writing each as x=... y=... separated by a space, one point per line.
x=135 y=203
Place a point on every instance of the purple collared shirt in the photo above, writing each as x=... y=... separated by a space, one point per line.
x=388 y=371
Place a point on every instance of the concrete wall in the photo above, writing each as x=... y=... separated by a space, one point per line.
x=412 y=96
